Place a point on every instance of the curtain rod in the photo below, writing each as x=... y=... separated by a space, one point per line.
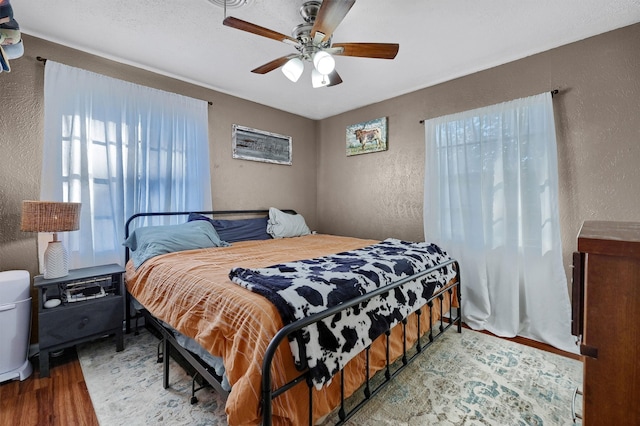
x=553 y=93
x=44 y=61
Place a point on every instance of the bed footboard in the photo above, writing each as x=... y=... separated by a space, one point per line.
x=391 y=369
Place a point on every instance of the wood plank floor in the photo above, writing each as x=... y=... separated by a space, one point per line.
x=60 y=399
x=63 y=399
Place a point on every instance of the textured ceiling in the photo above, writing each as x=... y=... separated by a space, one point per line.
x=439 y=40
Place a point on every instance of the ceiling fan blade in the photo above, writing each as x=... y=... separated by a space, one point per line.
x=366 y=50
x=239 y=24
x=334 y=79
x=270 y=66
x=331 y=13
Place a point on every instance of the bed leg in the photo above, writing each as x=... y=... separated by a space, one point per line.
x=165 y=362
x=404 y=342
x=367 y=389
x=160 y=351
x=194 y=399
x=441 y=297
x=310 y=393
x=127 y=311
x=341 y=412
x=430 y=304
x=459 y=297
x=459 y=310
x=387 y=372
x=450 y=293
x=419 y=342
x=136 y=327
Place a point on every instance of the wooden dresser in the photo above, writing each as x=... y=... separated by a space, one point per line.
x=606 y=313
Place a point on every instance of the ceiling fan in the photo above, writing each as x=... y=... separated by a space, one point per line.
x=313 y=41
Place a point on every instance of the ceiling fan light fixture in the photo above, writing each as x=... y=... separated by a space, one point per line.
x=318 y=79
x=293 y=69
x=323 y=62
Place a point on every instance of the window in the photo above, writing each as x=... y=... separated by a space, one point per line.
x=119 y=149
x=491 y=201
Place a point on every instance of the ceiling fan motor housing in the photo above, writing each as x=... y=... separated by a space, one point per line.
x=302 y=32
x=309 y=11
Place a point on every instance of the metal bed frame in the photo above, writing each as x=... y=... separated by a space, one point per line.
x=370 y=387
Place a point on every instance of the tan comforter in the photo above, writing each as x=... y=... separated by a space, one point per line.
x=191 y=291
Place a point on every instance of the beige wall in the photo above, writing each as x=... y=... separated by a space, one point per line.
x=372 y=195
x=236 y=184
x=597 y=111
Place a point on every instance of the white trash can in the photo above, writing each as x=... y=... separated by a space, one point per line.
x=15 y=325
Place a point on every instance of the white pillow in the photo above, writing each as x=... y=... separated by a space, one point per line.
x=285 y=225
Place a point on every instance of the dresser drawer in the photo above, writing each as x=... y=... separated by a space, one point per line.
x=78 y=320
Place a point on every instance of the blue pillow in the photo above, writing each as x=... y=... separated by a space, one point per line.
x=237 y=229
x=150 y=241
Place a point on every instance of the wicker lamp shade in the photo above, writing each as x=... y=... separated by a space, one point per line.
x=52 y=216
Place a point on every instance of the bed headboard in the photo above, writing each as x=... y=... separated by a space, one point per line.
x=128 y=227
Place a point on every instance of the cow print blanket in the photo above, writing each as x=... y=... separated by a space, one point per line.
x=302 y=288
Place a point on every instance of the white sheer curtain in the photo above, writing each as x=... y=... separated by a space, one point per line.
x=119 y=149
x=491 y=201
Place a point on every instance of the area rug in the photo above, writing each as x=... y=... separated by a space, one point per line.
x=464 y=379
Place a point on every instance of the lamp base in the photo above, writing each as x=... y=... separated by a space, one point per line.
x=56 y=261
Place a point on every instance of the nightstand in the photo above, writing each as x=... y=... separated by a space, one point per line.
x=86 y=304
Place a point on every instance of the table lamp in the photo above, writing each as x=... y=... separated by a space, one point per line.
x=52 y=216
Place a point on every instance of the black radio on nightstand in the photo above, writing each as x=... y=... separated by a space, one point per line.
x=94 y=288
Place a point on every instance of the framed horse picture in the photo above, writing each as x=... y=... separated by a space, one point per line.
x=368 y=136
